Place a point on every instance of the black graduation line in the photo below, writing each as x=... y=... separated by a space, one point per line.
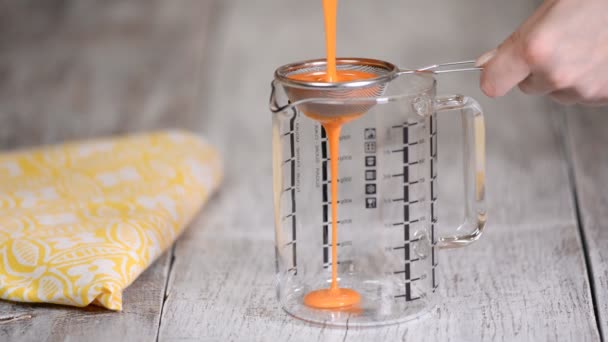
x=325 y=197
x=433 y=147
x=406 y=214
x=294 y=258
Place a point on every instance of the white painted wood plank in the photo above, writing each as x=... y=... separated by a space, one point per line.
x=587 y=133
x=524 y=280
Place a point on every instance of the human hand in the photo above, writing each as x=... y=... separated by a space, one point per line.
x=560 y=51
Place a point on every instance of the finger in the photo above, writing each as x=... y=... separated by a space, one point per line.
x=598 y=98
x=485 y=58
x=536 y=84
x=595 y=103
x=506 y=69
x=565 y=96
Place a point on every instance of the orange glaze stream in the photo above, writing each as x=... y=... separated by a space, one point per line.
x=330 y=10
x=334 y=297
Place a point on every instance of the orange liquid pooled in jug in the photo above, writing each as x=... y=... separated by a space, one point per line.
x=334 y=297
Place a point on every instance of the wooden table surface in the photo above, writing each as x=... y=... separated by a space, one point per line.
x=72 y=69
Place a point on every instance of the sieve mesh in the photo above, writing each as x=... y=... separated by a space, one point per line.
x=323 y=98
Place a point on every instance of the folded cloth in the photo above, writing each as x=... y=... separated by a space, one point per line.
x=80 y=221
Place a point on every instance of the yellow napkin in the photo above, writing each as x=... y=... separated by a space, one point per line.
x=79 y=222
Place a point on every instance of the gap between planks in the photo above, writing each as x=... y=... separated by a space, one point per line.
x=165 y=291
x=566 y=143
x=203 y=55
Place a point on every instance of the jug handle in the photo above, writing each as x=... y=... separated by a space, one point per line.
x=474 y=167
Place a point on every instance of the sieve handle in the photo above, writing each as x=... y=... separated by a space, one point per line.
x=474 y=167
x=444 y=68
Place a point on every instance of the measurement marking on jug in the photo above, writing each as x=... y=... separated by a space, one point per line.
x=340 y=262
x=405 y=151
x=407 y=145
x=289 y=216
x=291 y=190
x=370 y=147
x=403 y=200
x=370 y=189
x=339 y=222
x=406 y=124
x=342 y=201
x=370 y=161
x=433 y=161
x=340 y=180
x=405 y=183
x=407 y=221
x=406 y=297
x=410 y=280
x=370 y=175
x=342 y=244
x=325 y=181
x=406 y=243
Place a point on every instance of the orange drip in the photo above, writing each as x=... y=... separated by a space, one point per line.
x=334 y=297
x=330 y=10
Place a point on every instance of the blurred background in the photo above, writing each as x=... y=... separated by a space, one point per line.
x=80 y=68
x=76 y=69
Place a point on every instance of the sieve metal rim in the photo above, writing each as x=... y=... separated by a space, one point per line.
x=281 y=73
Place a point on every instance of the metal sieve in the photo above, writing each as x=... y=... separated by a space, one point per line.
x=326 y=99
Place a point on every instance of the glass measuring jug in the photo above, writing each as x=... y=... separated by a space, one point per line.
x=387 y=244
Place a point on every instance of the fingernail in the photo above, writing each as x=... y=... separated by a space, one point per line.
x=485 y=58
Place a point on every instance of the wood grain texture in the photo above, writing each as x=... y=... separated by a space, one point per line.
x=525 y=280
x=587 y=139
x=72 y=69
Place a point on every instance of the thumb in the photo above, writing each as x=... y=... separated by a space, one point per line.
x=504 y=68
